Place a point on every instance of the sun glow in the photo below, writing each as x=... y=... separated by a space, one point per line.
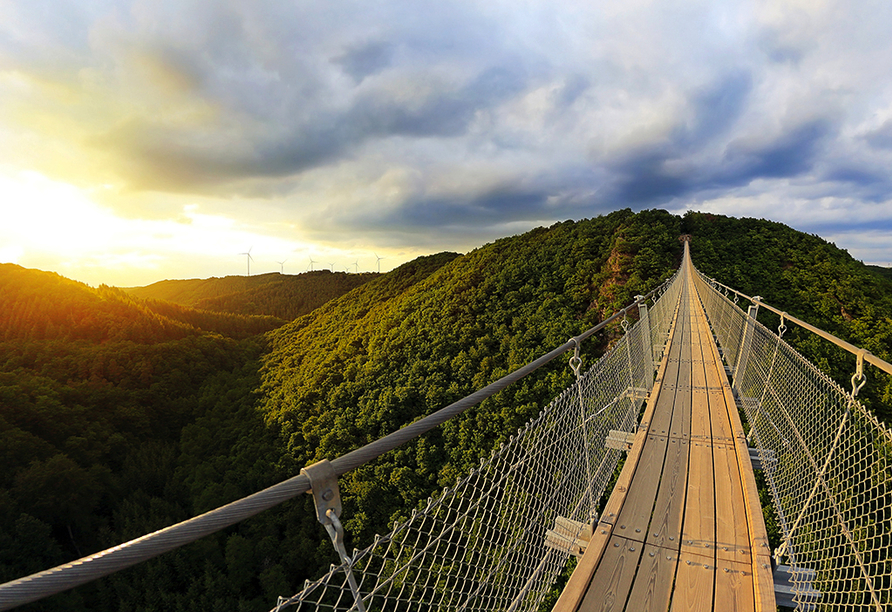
x=51 y=225
x=56 y=226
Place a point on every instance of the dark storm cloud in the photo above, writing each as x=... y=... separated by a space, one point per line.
x=791 y=153
x=446 y=114
x=856 y=176
x=544 y=111
x=881 y=138
x=666 y=169
x=153 y=153
x=869 y=186
x=650 y=175
x=717 y=108
x=647 y=181
x=466 y=211
x=365 y=60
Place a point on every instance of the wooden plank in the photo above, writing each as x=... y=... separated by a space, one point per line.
x=762 y=580
x=734 y=587
x=668 y=513
x=611 y=584
x=665 y=525
x=698 y=534
x=635 y=515
x=664 y=483
x=662 y=415
x=722 y=431
x=731 y=532
x=577 y=586
x=652 y=589
x=680 y=426
x=694 y=584
x=731 y=529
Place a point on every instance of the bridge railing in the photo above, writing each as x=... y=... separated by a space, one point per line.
x=827 y=461
x=499 y=538
x=470 y=528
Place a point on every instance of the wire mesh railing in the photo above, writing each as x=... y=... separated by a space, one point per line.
x=827 y=461
x=639 y=368
x=500 y=537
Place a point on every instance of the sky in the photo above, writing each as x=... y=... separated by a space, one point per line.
x=143 y=140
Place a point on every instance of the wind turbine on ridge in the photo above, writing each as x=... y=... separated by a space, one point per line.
x=356 y=265
x=249 y=258
x=282 y=266
x=312 y=261
x=379 y=262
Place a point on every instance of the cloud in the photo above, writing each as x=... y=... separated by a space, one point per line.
x=365 y=60
x=881 y=138
x=791 y=153
x=400 y=121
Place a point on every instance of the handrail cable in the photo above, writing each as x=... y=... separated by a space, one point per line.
x=830 y=496
x=81 y=571
x=862 y=354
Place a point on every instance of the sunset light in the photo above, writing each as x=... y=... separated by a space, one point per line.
x=56 y=226
x=141 y=141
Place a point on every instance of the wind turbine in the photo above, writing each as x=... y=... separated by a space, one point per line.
x=356 y=265
x=282 y=265
x=331 y=265
x=312 y=261
x=249 y=258
x=379 y=262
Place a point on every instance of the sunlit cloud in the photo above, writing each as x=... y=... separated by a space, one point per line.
x=354 y=129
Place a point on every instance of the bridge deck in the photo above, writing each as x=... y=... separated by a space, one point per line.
x=683 y=528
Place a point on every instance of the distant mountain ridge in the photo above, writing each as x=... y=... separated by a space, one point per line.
x=38 y=305
x=283 y=296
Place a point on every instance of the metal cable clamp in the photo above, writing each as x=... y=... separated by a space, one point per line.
x=327 y=497
x=858 y=378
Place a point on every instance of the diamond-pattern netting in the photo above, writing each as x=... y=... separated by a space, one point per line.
x=827 y=460
x=481 y=545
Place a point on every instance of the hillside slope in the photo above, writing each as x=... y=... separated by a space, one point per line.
x=98 y=391
x=37 y=305
x=286 y=297
x=881 y=271
x=365 y=364
x=107 y=439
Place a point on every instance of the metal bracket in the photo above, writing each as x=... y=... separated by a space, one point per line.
x=324 y=487
x=569 y=536
x=858 y=379
x=619 y=440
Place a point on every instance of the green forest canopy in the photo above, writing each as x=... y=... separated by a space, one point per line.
x=120 y=415
x=280 y=295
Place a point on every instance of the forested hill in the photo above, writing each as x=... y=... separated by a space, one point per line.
x=809 y=278
x=881 y=271
x=103 y=398
x=37 y=305
x=279 y=295
x=365 y=364
x=106 y=437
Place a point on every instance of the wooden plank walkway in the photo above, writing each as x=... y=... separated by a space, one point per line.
x=683 y=528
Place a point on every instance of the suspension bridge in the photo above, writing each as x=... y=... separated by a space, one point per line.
x=681 y=526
